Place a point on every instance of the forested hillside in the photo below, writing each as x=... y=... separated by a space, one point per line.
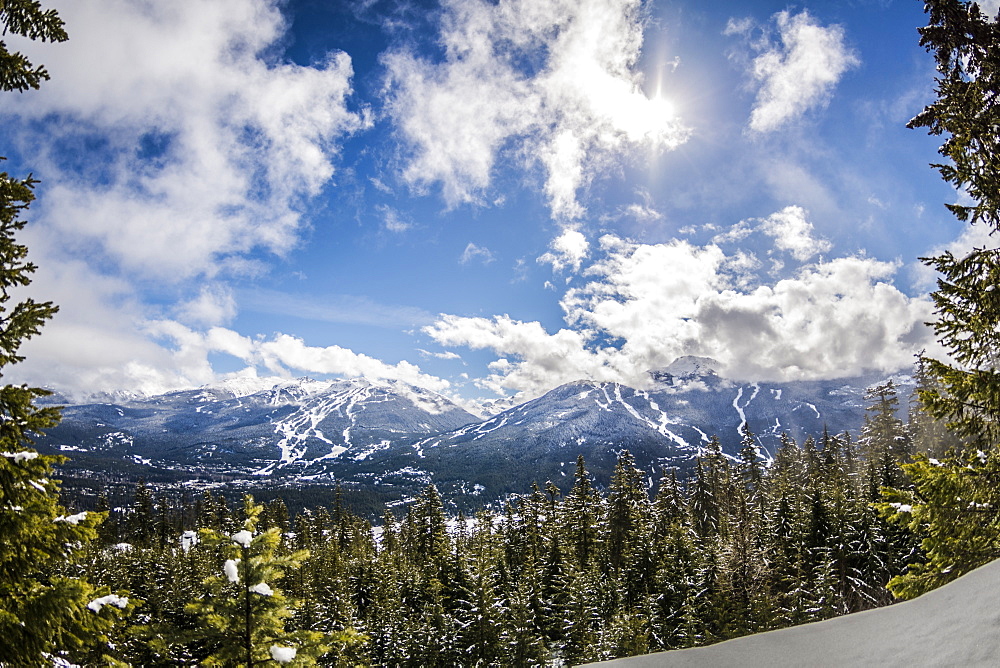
x=571 y=574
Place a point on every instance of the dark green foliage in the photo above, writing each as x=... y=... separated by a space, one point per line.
x=964 y=43
x=954 y=505
x=47 y=611
x=588 y=576
x=950 y=501
x=28 y=19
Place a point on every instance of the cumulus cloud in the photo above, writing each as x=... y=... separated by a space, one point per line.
x=214 y=305
x=182 y=146
x=285 y=352
x=798 y=71
x=793 y=233
x=647 y=304
x=544 y=360
x=567 y=251
x=579 y=105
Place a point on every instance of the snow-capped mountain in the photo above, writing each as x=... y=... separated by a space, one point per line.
x=391 y=438
x=666 y=425
x=243 y=429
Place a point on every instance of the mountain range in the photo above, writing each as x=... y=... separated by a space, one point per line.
x=388 y=439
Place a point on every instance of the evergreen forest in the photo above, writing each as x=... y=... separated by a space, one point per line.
x=553 y=577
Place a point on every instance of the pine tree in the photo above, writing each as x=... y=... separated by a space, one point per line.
x=883 y=435
x=425 y=532
x=964 y=392
x=708 y=491
x=582 y=514
x=629 y=517
x=954 y=506
x=965 y=42
x=42 y=613
x=928 y=434
x=243 y=613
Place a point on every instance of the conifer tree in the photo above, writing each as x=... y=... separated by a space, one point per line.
x=42 y=613
x=582 y=516
x=629 y=516
x=883 y=435
x=964 y=43
x=929 y=435
x=964 y=391
x=954 y=507
x=242 y=611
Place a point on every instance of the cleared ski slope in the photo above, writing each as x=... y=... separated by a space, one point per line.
x=956 y=625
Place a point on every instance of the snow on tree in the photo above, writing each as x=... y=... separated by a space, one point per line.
x=45 y=615
x=242 y=612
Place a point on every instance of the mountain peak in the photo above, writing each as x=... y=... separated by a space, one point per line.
x=687 y=369
x=692 y=365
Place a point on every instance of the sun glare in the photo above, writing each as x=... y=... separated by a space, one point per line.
x=642 y=119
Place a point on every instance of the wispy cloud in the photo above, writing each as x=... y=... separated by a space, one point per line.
x=473 y=252
x=393 y=220
x=346 y=309
x=796 y=72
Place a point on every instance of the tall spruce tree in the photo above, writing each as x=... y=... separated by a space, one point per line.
x=951 y=502
x=965 y=42
x=43 y=615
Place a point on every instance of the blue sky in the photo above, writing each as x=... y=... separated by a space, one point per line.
x=488 y=199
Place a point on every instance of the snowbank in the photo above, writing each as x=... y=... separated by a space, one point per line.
x=956 y=625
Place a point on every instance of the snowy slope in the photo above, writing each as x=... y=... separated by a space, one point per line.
x=243 y=428
x=370 y=434
x=956 y=625
x=687 y=404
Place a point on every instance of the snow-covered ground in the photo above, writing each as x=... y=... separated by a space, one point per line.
x=956 y=625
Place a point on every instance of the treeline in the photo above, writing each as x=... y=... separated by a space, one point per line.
x=574 y=575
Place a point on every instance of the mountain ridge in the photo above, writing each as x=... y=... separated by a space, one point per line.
x=391 y=437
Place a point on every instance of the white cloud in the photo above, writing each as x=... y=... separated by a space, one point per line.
x=580 y=106
x=206 y=147
x=798 y=72
x=393 y=221
x=98 y=340
x=447 y=355
x=214 y=305
x=104 y=339
x=646 y=304
x=793 y=233
x=567 y=251
x=285 y=352
x=643 y=213
x=474 y=252
x=734 y=234
x=545 y=360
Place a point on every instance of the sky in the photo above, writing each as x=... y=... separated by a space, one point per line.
x=483 y=198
